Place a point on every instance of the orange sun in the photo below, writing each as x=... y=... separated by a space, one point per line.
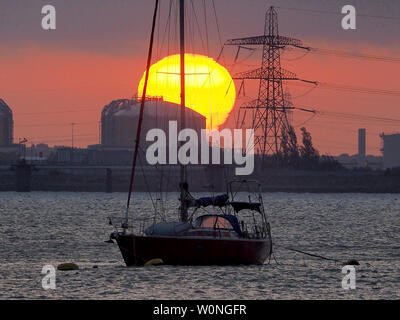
x=210 y=90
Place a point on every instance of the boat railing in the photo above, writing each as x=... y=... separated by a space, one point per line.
x=135 y=225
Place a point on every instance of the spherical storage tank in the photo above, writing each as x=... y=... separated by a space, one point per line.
x=119 y=120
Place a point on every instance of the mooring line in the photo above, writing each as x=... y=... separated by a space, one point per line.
x=311 y=254
x=347 y=262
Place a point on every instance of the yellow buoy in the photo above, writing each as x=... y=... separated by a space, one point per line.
x=154 y=262
x=67 y=266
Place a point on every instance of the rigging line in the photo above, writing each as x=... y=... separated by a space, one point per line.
x=241 y=88
x=189 y=43
x=234 y=64
x=339 y=13
x=147 y=185
x=168 y=25
x=219 y=33
x=139 y=128
x=176 y=22
x=198 y=25
x=157 y=167
x=220 y=54
x=158 y=34
x=206 y=27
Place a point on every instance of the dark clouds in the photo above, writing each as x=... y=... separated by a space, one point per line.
x=122 y=26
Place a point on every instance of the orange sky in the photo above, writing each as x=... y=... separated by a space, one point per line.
x=49 y=89
x=97 y=54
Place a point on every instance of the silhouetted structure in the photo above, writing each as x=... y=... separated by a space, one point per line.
x=269 y=112
x=391 y=150
x=23 y=172
x=6 y=124
x=119 y=120
x=361 y=147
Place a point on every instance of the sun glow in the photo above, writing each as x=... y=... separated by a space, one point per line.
x=210 y=90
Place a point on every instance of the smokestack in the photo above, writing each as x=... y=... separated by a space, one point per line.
x=361 y=147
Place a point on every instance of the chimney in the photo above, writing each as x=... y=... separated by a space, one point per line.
x=361 y=147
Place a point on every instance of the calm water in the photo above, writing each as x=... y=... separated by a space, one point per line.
x=41 y=228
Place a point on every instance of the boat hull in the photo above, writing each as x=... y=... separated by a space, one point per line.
x=137 y=250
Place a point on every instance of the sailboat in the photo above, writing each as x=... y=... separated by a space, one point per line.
x=227 y=229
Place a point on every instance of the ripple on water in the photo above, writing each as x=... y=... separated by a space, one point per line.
x=50 y=228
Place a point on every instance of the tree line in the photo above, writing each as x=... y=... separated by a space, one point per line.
x=302 y=156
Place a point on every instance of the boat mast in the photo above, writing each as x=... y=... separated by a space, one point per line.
x=183 y=183
x=139 y=127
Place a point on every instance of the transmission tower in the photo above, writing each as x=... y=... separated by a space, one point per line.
x=270 y=110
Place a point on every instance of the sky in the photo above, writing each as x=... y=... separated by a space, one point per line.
x=98 y=52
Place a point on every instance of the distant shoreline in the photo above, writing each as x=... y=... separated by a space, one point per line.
x=200 y=179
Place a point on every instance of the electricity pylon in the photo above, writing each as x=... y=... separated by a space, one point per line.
x=269 y=111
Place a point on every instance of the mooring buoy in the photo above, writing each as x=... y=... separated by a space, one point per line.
x=351 y=262
x=154 y=262
x=67 y=266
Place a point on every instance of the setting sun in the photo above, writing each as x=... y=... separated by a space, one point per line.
x=210 y=90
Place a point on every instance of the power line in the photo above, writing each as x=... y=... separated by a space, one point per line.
x=65 y=140
x=348 y=54
x=354 y=131
x=56 y=124
x=343 y=87
x=64 y=136
x=348 y=88
x=358 y=116
x=55 y=112
x=350 y=116
x=339 y=13
x=340 y=53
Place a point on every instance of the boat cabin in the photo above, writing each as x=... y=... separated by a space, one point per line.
x=220 y=222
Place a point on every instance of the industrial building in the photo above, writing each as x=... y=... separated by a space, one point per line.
x=6 y=124
x=119 y=121
x=362 y=147
x=9 y=152
x=391 y=150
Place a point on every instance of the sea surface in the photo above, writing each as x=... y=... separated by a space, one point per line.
x=41 y=228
